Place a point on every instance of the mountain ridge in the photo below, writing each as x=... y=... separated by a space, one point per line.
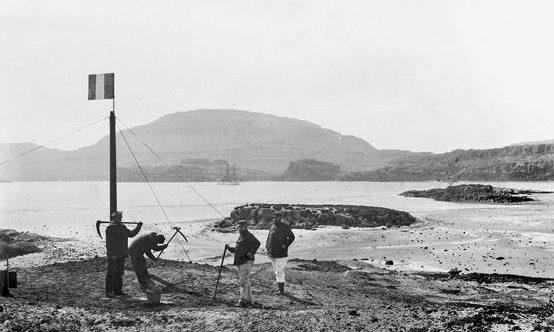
x=257 y=141
x=263 y=146
x=510 y=163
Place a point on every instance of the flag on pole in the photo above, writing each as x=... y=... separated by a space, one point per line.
x=101 y=86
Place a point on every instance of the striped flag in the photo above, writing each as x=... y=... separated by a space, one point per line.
x=101 y=86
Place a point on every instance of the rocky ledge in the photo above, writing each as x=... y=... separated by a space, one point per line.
x=14 y=243
x=259 y=215
x=475 y=193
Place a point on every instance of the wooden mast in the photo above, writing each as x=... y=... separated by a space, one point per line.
x=113 y=163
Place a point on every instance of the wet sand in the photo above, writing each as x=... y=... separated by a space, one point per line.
x=514 y=240
x=322 y=295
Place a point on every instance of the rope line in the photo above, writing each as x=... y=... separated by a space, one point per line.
x=52 y=141
x=151 y=189
x=172 y=171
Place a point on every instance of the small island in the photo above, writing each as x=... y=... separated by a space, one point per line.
x=475 y=193
x=260 y=216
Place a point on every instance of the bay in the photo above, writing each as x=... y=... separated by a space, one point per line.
x=493 y=238
x=76 y=203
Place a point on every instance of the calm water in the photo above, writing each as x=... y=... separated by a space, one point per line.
x=524 y=233
x=23 y=205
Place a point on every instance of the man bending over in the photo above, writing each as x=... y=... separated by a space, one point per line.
x=141 y=246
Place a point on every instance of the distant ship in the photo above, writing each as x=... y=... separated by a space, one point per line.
x=230 y=179
x=449 y=181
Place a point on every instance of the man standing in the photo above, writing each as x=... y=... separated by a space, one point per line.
x=279 y=239
x=141 y=246
x=244 y=251
x=116 y=247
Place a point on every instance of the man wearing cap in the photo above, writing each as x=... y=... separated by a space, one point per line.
x=116 y=247
x=279 y=238
x=144 y=245
x=244 y=251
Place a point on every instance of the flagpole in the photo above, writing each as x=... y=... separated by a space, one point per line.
x=113 y=167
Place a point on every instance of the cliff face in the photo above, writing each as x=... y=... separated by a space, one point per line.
x=311 y=170
x=512 y=163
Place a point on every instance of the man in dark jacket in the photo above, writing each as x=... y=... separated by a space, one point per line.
x=244 y=251
x=141 y=246
x=279 y=239
x=116 y=247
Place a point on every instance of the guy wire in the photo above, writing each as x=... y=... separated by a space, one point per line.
x=151 y=189
x=52 y=141
x=170 y=170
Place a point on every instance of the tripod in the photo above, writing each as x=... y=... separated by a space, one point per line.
x=177 y=231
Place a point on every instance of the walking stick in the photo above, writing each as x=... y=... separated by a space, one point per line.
x=220 y=268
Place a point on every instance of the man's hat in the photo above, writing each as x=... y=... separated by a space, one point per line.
x=117 y=213
x=160 y=238
x=242 y=222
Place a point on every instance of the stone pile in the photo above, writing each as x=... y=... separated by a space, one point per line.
x=260 y=216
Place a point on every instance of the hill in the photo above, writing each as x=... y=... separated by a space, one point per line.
x=250 y=140
x=511 y=163
x=550 y=141
x=255 y=141
x=45 y=164
x=311 y=170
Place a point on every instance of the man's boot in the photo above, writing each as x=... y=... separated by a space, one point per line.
x=281 y=286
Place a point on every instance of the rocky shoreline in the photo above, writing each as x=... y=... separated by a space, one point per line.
x=321 y=296
x=14 y=243
x=304 y=216
x=475 y=193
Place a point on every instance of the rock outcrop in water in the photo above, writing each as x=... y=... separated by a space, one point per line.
x=260 y=215
x=474 y=193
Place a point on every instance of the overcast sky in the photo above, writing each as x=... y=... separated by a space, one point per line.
x=414 y=75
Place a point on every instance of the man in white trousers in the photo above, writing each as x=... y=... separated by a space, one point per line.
x=279 y=239
x=244 y=251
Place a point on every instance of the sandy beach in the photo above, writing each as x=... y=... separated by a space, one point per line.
x=441 y=241
x=343 y=295
x=338 y=278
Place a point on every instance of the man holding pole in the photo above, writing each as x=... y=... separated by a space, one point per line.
x=116 y=247
x=244 y=251
x=279 y=238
